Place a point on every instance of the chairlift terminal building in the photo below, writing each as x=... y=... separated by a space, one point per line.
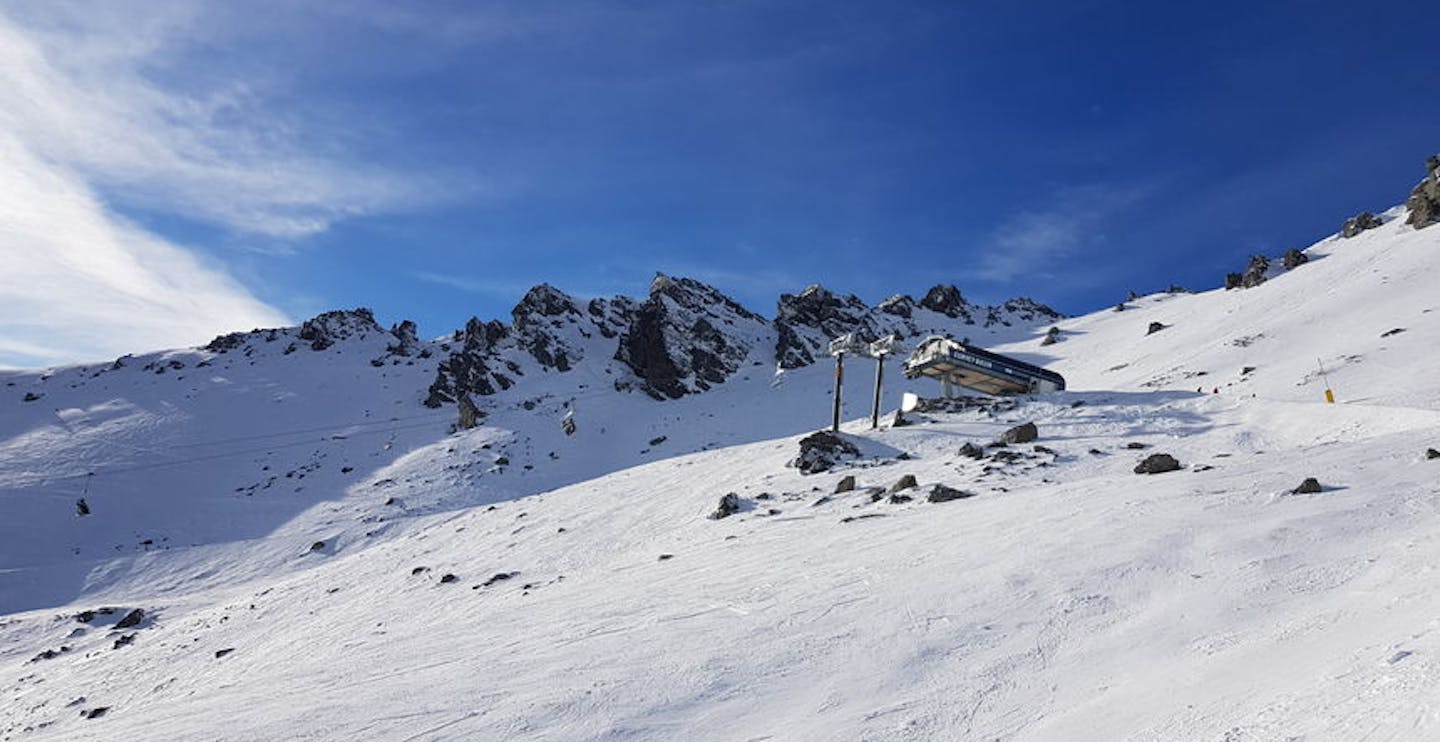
x=954 y=363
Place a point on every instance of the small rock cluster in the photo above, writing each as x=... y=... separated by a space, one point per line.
x=1359 y=223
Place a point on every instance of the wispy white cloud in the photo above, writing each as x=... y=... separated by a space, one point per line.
x=81 y=284
x=109 y=105
x=81 y=94
x=1032 y=242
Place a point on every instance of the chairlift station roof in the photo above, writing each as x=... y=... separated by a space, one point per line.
x=951 y=361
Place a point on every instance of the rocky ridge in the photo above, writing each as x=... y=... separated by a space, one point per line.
x=683 y=338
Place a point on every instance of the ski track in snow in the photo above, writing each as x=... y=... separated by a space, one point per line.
x=1069 y=599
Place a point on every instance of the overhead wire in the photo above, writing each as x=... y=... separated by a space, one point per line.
x=338 y=431
x=36 y=481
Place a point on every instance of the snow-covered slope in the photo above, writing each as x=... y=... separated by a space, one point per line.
x=301 y=435
x=384 y=579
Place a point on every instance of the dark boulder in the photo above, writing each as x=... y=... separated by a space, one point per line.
x=846 y=484
x=972 y=451
x=1431 y=453
x=898 y=499
x=1020 y=434
x=822 y=450
x=1234 y=281
x=1293 y=259
x=1052 y=336
x=1310 y=486
x=31 y=397
x=1359 y=223
x=729 y=505
x=133 y=618
x=448 y=578
x=941 y=493
x=1157 y=464
x=903 y=483
x=1156 y=327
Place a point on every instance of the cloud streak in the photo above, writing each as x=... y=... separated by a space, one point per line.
x=1029 y=242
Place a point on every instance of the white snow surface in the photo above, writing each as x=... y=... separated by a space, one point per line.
x=295 y=514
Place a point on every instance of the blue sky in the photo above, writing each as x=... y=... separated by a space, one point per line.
x=433 y=159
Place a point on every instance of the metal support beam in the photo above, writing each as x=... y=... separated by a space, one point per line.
x=839 y=379
x=879 y=379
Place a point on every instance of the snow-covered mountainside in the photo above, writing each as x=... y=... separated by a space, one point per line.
x=284 y=538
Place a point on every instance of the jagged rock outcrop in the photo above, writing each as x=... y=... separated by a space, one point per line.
x=1359 y=223
x=542 y=320
x=406 y=341
x=686 y=337
x=1255 y=272
x=1424 y=201
x=1022 y=309
x=899 y=305
x=1293 y=259
x=612 y=316
x=328 y=328
x=466 y=370
x=948 y=301
x=805 y=323
x=1234 y=281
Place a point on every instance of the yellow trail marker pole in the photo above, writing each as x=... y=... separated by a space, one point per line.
x=1329 y=393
